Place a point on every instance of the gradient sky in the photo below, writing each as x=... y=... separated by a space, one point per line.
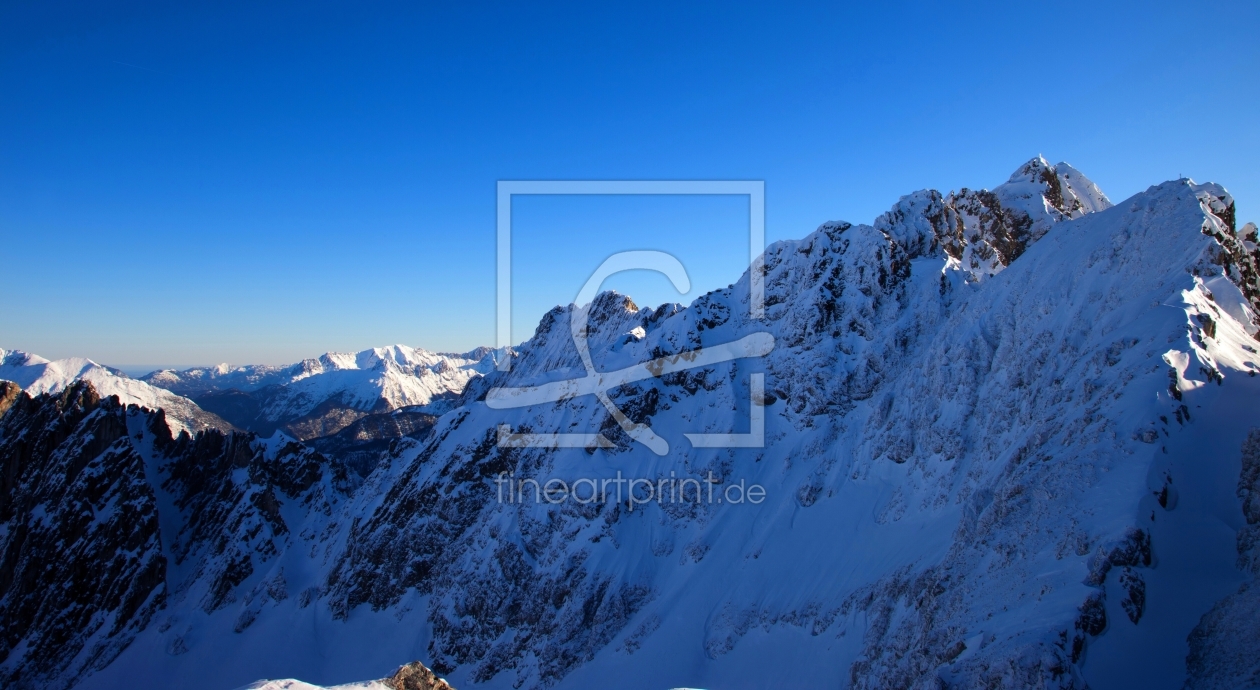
x=190 y=184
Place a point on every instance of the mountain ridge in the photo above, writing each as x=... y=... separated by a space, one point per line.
x=988 y=446
x=320 y=396
x=37 y=375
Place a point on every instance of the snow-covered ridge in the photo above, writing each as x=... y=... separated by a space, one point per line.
x=417 y=362
x=343 y=385
x=976 y=401
x=37 y=375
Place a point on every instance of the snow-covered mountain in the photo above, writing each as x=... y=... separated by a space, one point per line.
x=319 y=397
x=38 y=375
x=1007 y=443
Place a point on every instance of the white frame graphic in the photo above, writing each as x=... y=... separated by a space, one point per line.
x=598 y=383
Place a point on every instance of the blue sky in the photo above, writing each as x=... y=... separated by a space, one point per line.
x=186 y=184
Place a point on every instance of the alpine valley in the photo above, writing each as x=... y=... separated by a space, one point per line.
x=1008 y=443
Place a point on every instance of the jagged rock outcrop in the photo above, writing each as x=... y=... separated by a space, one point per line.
x=416 y=676
x=984 y=231
x=412 y=676
x=229 y=490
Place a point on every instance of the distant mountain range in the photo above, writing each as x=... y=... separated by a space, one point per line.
x=37 y=375
x=320 y=397
x=347 y=404
x=1010 y=441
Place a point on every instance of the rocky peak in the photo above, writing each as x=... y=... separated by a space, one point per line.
x=416 y=676
x=983 y=231
x=609 y=305
x=610 y=316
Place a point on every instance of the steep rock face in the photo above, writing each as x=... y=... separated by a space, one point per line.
x=81 y=564
x=1238 y=257
x=108 y=520
x=1033 y=448
x=8 y=395
x=230 y=491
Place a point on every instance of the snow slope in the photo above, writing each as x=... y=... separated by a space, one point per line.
x=37 y=375
x=1003 y=437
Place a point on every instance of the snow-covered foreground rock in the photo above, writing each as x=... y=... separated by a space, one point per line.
x=1006 y=445
x=319 y=397
x=38 y=375
x=413 y=676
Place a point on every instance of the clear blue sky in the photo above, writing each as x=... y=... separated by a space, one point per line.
x=184 y=184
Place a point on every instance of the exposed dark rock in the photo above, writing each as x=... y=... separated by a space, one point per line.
x=81 y=564
x=233 y=520
x=79 y=510
x=361 y=444
x=1134 y=601
x=8 y=395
